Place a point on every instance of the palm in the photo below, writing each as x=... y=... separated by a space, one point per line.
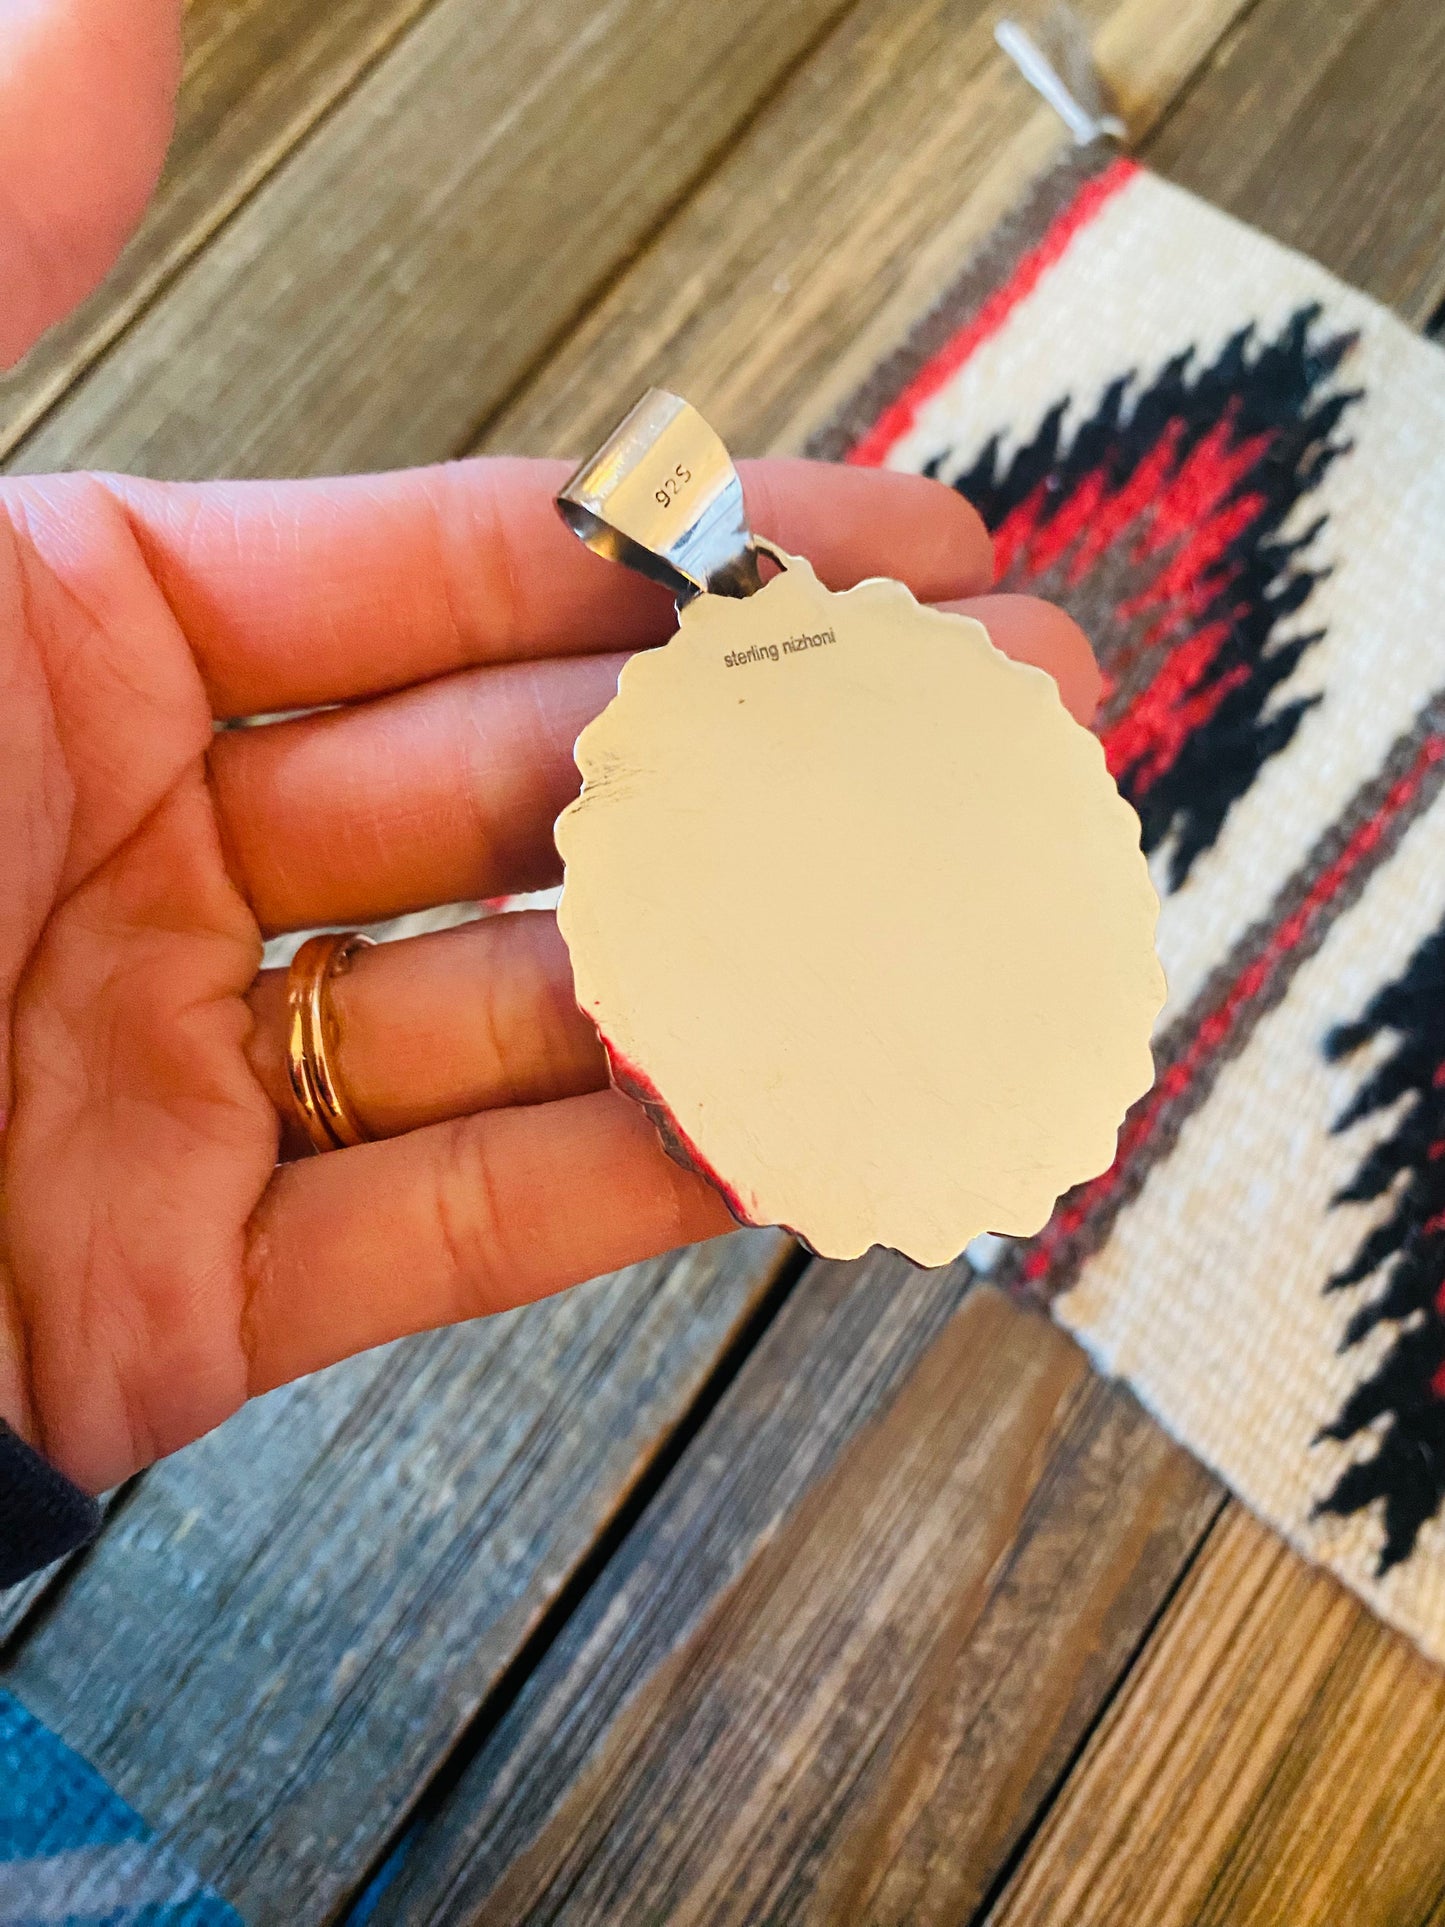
x=157 y=1265
x=141 y=1141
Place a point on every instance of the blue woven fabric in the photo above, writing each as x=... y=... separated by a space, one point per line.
x=73 y=1854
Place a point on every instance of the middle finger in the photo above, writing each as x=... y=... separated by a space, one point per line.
x=449 y=791
x=443 y=793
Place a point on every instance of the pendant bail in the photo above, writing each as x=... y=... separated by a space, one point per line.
x=662 y=495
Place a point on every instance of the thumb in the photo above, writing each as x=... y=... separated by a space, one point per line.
x=87 y=102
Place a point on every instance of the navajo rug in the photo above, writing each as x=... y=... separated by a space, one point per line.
x=1231 y=468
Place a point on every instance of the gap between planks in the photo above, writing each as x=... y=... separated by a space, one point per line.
x=259 y=77
x=1277 y=1755
x=288 y=1626
x=455 y=210
x=851 y=1644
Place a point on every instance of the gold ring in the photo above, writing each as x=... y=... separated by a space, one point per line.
x=311 y=1038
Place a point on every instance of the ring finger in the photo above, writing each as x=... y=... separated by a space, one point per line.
x=439 y=1026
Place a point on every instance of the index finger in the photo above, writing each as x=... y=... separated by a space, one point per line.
x=300 y=593
x=87 y=97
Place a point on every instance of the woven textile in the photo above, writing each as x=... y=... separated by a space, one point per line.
x=73 y=1854
x=1231 y=468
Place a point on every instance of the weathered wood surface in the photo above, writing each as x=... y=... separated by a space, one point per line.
x=290 y=1624
x=1324 y=123
x=259 y=75
x=842 y=1654
x=17 y=1604
x=511 y=1803
x=262 y=74
x=389 y=284
x=1277 y=1757
x=850 y=203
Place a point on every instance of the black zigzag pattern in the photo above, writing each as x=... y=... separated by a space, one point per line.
x=1404 y=1256
x=1272 y=391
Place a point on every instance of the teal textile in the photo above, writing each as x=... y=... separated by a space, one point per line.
x=73 y=1854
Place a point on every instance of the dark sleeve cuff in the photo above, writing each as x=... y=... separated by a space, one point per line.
x=42 y=1515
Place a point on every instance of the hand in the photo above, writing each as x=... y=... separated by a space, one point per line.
x=157 y=1264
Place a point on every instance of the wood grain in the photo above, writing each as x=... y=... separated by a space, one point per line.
x=1324 y=123
x=747 y=366
x=851 y=1643
x=290 y=1623
x=17 y=1603
x=1277 y=1756
x=259 y=75
x=770 y=323
x=391 y=282
x=837 y=220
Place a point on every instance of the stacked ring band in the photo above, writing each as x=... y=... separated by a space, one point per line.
x=311 y=1037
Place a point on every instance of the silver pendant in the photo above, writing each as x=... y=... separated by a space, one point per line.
x=853 y=902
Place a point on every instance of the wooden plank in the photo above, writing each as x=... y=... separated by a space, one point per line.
x=291 y=1622
x=837 y=221
x=1325 y=124
x=770 y=320
x=1277 y=1756
x=388 y=285
x=17 y=1604
x=259 y=75
x=843 y=1653
x=720 y=320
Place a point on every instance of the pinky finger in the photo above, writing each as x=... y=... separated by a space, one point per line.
x=1041 y=633
x=455 y=1221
